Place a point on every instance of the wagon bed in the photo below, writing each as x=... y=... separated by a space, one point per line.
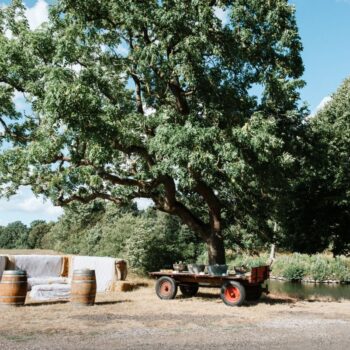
x=235 y=288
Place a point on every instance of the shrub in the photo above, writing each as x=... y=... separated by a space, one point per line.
x=319 y=268
x=248 y=260
x=340 y=268
x=160 y=241
x=294 y=271
x=292 y=267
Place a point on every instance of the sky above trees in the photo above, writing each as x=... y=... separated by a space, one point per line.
x=324 y=29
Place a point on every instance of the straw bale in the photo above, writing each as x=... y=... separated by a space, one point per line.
x=65 y=266
x=121 y=269
x=11 y=262
x=3 y=263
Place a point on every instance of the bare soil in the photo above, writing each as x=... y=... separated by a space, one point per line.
x=139 y=320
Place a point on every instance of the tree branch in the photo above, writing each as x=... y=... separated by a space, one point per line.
x=116 y=180
x=212 y=202
x=86 y=199
x=146 y=36
x=181 y=102
x=142 y=151
x=12 y=84
x=138 y=93
x=9 y=132
x=170 y=205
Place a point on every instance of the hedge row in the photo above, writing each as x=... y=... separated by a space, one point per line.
x=296 y=267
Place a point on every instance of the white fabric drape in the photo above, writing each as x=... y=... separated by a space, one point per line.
x=104 y=269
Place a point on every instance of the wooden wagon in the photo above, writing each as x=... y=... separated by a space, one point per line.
x=235 y=288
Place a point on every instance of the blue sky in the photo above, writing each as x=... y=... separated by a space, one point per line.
x=324 y=27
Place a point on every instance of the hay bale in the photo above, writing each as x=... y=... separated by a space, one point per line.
x=121 y=269
x=11 y=262
x=65 y=266
x=3 y=263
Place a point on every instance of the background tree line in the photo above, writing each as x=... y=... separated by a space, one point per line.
x=147 y=239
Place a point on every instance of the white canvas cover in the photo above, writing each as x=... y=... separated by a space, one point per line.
x=104 y=269
x=39 y=265
x=2 y=264
x=46 y=292
x=35 y=281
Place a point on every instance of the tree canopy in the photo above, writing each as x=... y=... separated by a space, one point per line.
x=318 y=211
x=155 y=99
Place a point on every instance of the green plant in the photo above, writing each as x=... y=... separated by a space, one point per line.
x=340 y=268
x=291 y=266
x=318 y=268
x=294 y=272
x=248 y=261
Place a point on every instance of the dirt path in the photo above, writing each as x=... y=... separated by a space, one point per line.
x=139 y=320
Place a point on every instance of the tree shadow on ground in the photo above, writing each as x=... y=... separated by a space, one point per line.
x=199 y=295
x=264 y=299
x=112 y=302
x=60 y=302
x=208 y=295
x=271 y=301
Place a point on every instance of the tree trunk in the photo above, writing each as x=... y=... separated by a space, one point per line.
x=216 y=250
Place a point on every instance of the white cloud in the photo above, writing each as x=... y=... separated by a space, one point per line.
x=76 y=67
x=143 y=203
x=8 y=34
x=19 y=101
x=38 y=205
x=24 y=206
x=37 y=14
x=323 y=103
x=223 y=15
x=148 y=110
x=320 y=106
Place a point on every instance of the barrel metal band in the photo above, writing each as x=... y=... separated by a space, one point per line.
x=87 y=281
x=4 y=304
x=12 y=297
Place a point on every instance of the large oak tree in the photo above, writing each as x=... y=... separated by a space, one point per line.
x=156 y=99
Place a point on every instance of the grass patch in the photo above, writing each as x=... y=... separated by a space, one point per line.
x=296 y=267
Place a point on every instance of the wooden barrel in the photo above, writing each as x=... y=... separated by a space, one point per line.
x=13 y=288
x=83 y=287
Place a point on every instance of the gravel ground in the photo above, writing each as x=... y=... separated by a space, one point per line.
x=139 y=320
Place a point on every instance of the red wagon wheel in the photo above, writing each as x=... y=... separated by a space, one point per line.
x=232 y=293
x=166 y=288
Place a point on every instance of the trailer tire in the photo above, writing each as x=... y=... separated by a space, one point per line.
x=189 y=290
x=233 y=293
x=166 y=288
